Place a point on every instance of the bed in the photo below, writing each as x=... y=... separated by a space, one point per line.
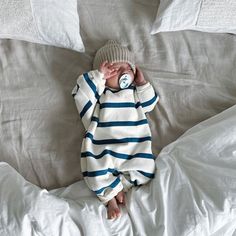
x=42 y=191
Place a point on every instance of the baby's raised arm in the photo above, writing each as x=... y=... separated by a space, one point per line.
x=145 y=92
x=86 y=93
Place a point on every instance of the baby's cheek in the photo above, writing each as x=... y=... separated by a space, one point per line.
x=112 y=83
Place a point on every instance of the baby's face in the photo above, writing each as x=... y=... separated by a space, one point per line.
x=121 y=68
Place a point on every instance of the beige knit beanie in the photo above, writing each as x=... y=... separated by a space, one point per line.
x=113 y=52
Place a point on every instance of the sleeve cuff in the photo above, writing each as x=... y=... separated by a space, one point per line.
x=143 y=87
x=98 y=77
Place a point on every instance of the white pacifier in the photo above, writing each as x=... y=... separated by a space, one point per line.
x=125 y=81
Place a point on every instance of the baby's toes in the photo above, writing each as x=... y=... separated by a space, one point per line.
x=114 y=213
x=120 y=197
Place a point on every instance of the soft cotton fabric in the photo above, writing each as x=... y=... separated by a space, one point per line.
x=208 y=15
x=194 y=189
x=116 y=151
x=41 y=132
x=51 y=22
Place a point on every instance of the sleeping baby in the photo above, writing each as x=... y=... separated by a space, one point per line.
x=112 y=101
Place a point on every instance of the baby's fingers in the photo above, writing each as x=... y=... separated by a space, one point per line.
x=111 y=73
x=104 y=64
x=110 y=65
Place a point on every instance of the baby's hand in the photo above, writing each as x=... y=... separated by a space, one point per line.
x=139 y=78
x=107 y=69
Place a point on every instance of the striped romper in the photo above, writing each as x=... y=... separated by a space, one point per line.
x=116 y=150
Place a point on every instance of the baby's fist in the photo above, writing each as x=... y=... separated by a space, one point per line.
x=139 y=78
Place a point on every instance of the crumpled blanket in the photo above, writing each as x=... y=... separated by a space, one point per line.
x=193 y=193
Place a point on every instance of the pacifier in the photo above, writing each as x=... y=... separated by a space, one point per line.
x=125 y=81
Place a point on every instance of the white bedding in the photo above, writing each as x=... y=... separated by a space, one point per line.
x=193 y=194
x=215 y=16
x=50 y=22
x=41 y=132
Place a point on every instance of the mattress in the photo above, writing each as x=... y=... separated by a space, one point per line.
x=41 y=132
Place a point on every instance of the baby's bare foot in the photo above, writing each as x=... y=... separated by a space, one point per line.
x=113 y=210
x=120 y=197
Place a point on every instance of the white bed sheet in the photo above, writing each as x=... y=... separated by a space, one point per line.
x=193 y=194
x=40 y=131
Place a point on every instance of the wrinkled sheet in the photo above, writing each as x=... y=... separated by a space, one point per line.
x=193 y=194
x=41 y=133
x=40 y=129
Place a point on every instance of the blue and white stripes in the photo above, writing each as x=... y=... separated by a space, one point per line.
x=117 y=141
x=116 y=151
x=116 y=155
x=119 y=123
x=87 y=93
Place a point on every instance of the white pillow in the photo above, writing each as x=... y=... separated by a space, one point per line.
x=51 y=22
x=201 y=15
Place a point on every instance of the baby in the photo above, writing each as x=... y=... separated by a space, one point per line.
x=112 y=101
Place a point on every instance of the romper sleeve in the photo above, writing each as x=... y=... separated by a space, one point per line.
x=86 y=93
x=147 y=96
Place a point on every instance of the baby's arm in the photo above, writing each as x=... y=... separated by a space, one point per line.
x=86 y=93
x=145 y=92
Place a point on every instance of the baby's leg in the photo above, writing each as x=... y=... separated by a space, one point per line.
x=113 y=210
